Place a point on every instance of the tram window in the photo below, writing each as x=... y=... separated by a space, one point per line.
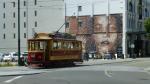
x=65 y=45
x=32 y=46
x=57 y=45
x=29 y=46
x=70 y=45
x=73 y=45
x=54 y=45
x=37 y=45
x=41 y=45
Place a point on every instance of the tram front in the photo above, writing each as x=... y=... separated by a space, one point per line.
x=37 y=51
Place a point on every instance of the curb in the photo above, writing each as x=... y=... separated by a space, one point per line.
x=18 y=74
x=32 y=72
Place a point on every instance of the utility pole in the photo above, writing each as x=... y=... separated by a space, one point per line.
x=65 y=16
x=107 y=30
x=19 y=60
x=27 y=17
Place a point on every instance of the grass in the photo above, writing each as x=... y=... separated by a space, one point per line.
x=7 y=64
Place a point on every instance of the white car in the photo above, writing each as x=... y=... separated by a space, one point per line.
x=7 y=57
x=15 y=56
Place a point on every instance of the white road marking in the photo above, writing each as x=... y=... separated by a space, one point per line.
x=107 y=73
x=11 y=80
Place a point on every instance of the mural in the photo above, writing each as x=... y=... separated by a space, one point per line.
x=99 y=34
x=107 y=33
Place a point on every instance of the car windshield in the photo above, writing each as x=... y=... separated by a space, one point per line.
x=16 y=54
x=6 y=54
x=25 y=54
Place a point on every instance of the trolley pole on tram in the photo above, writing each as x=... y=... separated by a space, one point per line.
x=19 y=60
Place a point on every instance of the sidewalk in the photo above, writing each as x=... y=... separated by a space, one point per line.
x=21 y=70
x=18 y=70
x=107 y=61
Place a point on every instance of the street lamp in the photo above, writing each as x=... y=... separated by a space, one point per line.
x=19 y=60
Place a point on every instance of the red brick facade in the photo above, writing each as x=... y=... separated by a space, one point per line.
x=92 y=32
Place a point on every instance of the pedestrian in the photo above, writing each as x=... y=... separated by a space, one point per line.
x=93 y=56
x=139 y=53
x=86 y=56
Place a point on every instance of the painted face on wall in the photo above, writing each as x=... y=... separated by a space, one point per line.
x=107 y=42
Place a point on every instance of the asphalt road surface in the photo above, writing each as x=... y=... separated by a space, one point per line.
x=121 y=73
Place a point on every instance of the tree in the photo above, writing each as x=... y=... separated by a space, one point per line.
x=147 y=27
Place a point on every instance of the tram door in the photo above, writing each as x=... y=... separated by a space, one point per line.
x=46 y=51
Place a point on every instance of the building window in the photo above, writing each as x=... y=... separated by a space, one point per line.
x=79 y=8
x=67 y=24
x=140 y=2
x=25 y=25
x=14 y=4
x=4 y=15
x=139 y=25
x=14 y=14
x=14 y=25
x=146 y=12
x=24 y=3
x=80 y=24
x=35 y=13
x=130 y=23
x=4 y=36
x=35 y=2
x=4 y=5
x=35 y=24
x=130 y=6
x=25 y=35
x=14 y=35
x=4 y=26
x=24 y=14
x=140 y=8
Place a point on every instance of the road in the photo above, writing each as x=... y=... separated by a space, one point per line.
x=117 y=73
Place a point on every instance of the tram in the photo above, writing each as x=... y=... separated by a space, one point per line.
x=49 y=49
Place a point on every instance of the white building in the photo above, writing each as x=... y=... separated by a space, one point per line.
x=122 y=19
x=35 y=16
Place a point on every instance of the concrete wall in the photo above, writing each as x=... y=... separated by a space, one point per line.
x=49 y=18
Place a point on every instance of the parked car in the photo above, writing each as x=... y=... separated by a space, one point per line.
x=1 y=57
x=7 y=57
x=15 y=56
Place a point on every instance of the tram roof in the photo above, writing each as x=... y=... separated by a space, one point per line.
x=41 y=36
x=48 y=36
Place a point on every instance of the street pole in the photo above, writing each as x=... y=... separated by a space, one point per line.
x=27 y=18
x=65 y=16
x=19 y=60
x=108 y=10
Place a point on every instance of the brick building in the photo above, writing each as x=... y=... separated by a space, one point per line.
x=108 y=25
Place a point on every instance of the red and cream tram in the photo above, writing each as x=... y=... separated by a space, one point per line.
x=47 y=49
